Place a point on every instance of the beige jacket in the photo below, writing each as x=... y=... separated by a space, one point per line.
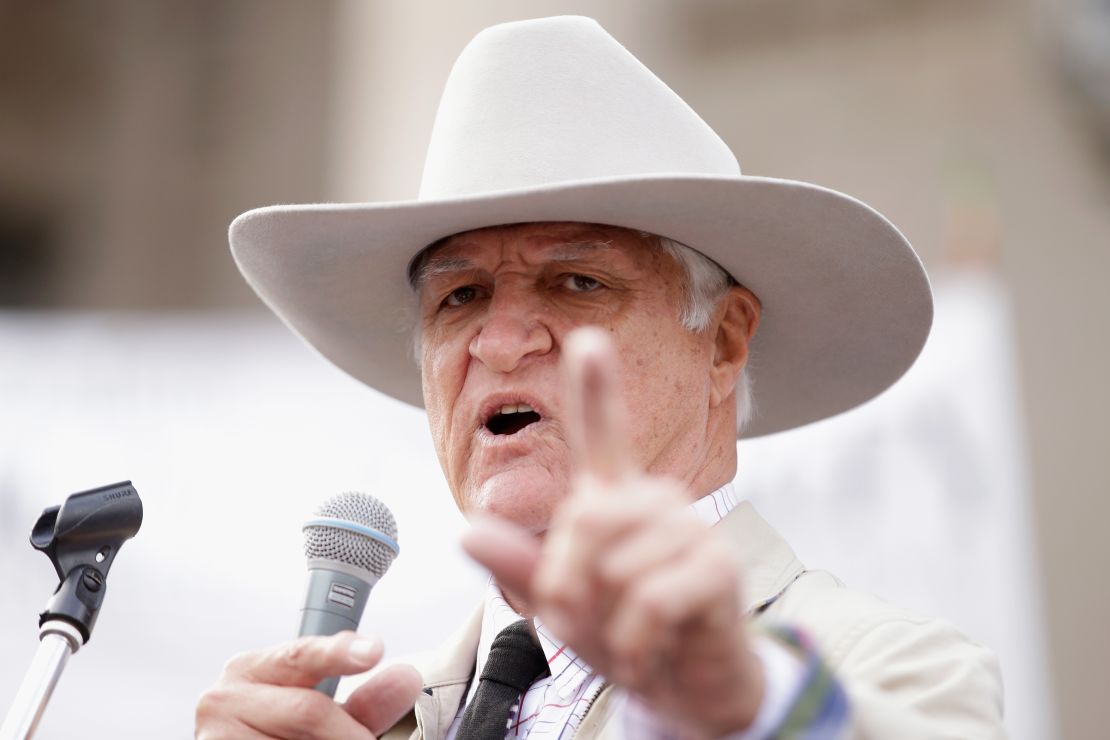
x=906 y=677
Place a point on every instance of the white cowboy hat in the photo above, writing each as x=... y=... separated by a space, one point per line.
x=554 y=120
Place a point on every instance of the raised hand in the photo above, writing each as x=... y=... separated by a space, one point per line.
x=626 y=575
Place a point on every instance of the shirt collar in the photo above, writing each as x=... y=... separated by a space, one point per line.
x=712 y=507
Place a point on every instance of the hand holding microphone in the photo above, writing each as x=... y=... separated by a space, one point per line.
x=270 y=693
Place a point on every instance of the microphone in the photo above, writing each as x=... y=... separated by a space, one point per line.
x=349 y=544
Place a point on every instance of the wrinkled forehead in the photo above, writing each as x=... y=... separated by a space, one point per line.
x=563 y=241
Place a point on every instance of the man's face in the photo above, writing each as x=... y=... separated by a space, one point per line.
x=496 y=305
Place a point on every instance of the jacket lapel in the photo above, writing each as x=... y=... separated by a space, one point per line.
x=446 y=674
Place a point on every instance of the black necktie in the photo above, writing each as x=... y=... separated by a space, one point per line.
x=515 y=661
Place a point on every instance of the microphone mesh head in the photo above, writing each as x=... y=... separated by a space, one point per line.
x=329 y=543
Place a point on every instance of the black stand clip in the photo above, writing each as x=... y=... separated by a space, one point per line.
x=81 y=537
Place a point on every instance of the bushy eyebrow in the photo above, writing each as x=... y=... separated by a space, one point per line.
x=434 y=266
x=576 y=250
x=425 y=268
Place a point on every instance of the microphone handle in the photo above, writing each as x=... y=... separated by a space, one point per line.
x=335 y=598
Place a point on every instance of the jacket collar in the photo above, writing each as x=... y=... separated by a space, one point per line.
x=767 y=563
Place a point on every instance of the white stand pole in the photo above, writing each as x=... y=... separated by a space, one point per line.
x=57 y=641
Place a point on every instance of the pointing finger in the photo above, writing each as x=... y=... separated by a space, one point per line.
x=510 y=552
x=597 y=423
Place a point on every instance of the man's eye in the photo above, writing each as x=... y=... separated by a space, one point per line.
x=580 y=283
x=459 y=296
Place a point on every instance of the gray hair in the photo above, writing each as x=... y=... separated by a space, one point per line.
x=706 y=284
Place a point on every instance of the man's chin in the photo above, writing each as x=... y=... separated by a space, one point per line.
x=526 y=496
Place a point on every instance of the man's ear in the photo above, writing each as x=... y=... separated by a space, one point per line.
x=739 y=313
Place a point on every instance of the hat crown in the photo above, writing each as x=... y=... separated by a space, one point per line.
x=540 y=102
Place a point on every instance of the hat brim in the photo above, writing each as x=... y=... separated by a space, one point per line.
x=846 y=302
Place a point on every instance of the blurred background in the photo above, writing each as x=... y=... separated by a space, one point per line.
x=132 y=132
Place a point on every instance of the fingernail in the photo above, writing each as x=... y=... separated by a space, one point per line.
x=363 y=649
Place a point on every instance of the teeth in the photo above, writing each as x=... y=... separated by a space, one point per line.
x=518 y=408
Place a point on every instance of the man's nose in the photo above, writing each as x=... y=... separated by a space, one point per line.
x=512 y=331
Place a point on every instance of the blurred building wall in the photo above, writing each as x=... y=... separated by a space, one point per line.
x=131 y=133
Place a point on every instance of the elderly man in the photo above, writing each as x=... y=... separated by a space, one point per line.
x=593 y=281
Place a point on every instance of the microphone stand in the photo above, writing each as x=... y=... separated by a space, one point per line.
x=81 y=537
x=57 y=641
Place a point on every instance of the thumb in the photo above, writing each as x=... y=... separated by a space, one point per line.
x=385 y=697
x=509 y=551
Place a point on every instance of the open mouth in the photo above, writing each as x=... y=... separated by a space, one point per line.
x=511 y=418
